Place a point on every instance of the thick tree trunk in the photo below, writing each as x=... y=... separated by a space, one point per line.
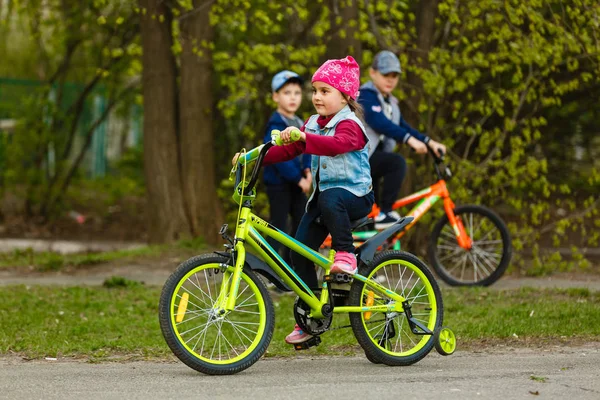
x=427 y=11
x=166 y=213
x=196 y=136
x=344 y=25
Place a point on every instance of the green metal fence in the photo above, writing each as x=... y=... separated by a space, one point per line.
x=15 y=92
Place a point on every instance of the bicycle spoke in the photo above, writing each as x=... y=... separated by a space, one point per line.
x=208 y=306
x=486 y=242
x=487 y=254
x=239 y=330
x=486 y=265
x=193 y=294
x=203 y=339
x=231 y=346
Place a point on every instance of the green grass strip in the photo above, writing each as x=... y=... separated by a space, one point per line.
x=121 y=320
x=52 y=261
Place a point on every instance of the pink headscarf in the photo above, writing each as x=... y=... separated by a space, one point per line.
x=344 y=75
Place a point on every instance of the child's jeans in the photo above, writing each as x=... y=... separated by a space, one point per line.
x=392 y=168
x=337 y=207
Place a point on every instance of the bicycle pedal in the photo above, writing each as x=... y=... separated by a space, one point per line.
x=313 y=341
x=338 y=278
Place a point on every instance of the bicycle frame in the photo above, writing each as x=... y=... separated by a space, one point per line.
x=428 y=197
x=248 y=231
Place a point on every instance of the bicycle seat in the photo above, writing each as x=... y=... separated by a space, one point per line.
x=359 y=223
x=355 y=224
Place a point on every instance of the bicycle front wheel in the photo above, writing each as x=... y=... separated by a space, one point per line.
x=387 y=337
x=198 y=334
x=488 y=257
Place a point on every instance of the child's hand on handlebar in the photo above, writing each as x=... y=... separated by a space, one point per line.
x=436 y=147
x=286 y=135
x=418 y=146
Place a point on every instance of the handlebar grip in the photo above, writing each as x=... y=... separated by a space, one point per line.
x=441 y=153
x=276 y=136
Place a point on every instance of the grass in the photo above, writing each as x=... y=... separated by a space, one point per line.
x=120 y=320
x=538 y=378
x=51 y=261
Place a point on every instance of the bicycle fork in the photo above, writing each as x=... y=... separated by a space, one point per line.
x=231 y=279
x=456 y=223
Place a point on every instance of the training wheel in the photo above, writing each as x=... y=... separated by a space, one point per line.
x=445 y=341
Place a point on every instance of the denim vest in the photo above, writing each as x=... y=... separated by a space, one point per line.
x=388 y=143
x=350 y=171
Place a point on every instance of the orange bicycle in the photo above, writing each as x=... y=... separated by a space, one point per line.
x=469 y=246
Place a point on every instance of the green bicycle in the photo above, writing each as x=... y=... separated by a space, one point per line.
x=217 y=316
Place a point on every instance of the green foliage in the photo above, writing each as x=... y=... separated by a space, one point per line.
x=77 y=53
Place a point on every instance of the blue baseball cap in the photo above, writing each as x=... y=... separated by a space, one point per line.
x=281 y=78
x=385 y=62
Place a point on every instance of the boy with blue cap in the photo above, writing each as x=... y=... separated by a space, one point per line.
x=287 y=183
x=385 y=128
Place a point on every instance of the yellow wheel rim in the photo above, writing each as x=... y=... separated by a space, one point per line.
x=447 y=341
x=414 y=286
x=201 y=331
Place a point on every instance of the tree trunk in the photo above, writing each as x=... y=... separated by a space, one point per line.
x=196 y=136
x=166 y=213
x=425 y=26
x=344 y=25
x=427 y=12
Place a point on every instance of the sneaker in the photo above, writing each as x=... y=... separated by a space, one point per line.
x=297 y=336
x=344 y=262
x=385 y=220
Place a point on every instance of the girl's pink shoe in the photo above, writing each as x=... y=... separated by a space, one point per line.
x=345 y=263
x=297 y=336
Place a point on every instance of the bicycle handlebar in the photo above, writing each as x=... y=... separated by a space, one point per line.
x=258 y=153
x=276 y=136
x=437 y=161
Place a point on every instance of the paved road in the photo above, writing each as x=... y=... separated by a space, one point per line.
x=559 y=373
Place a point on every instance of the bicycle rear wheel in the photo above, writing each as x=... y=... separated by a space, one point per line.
x=198 y=334
x=488 y=257
x=386 y=337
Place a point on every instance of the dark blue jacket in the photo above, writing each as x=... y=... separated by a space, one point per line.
x=376 y=120
x=287 y=171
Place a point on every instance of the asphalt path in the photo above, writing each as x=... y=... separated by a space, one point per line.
x=549 y=373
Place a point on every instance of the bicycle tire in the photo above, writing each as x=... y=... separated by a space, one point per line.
x=199 y=295
x=428 y=310
x=446 y=272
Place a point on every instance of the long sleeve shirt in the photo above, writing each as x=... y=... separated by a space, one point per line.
x=348 y=137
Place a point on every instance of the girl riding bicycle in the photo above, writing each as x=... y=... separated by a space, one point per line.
x=342 y=188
